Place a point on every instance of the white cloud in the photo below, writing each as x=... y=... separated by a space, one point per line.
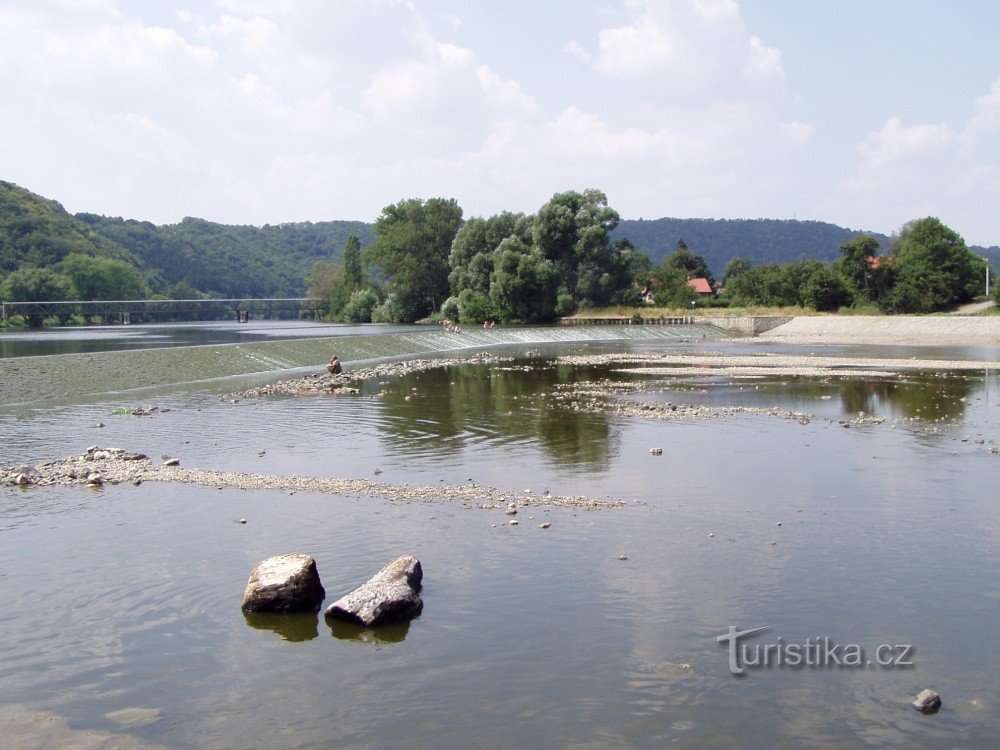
x=698 y=49
x=942 y=169
x=895 y=142
x=797 y=132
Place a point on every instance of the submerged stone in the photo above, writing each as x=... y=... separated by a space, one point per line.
x=285 y=583
x=927 y=702
x=389 y=596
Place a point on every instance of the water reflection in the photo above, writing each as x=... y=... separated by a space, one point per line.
x=442 y=411
x=932 y=397
x=294 y=627
x=349 y=631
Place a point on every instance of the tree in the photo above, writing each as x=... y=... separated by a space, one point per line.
x=523 y=283
x=326 y=282
x=97 y=278
x=858 y=267
x=36 y=285
x=933 y=269
x=734 y=268
x=572 y=231
x=360 y=306
x=692 y=265
x=354 y=271
x=825 y=290
x=413 y=241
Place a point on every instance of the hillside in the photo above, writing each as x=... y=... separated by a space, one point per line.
x=274 y=260
x=36 y=231
x=232 y=261
x=719 y=240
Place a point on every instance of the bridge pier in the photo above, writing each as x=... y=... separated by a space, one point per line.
x=242 y=316
x=125 y=318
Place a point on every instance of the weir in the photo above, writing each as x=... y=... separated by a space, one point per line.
x=63 y=376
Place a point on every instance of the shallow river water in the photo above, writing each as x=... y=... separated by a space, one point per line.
x=121 y=618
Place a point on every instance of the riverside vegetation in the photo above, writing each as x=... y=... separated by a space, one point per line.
x=422 y=258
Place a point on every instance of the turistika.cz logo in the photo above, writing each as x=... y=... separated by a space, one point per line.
x=815 y=652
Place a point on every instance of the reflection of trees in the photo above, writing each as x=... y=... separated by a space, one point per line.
x=924 y=396
x=476 y=403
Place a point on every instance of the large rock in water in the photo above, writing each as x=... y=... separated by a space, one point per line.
x=390 y=596
x=286 y=583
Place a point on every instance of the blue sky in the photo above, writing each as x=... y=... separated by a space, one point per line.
x=866 y=114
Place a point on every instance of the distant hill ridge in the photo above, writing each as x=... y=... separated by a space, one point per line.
x=275 y=259
x=761 y=240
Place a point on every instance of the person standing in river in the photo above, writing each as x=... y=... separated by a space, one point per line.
x=334 y=367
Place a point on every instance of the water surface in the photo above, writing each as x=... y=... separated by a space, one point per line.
x=128 y=597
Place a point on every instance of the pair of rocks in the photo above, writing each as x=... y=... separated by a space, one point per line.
x=290 y=583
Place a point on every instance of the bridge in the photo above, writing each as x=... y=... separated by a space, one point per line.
x=122 y=310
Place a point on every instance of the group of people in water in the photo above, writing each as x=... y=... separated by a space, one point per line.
x=450 y=325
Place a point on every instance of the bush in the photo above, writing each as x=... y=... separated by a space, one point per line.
x=475 y=307
x=360 y=306
x=450 y=308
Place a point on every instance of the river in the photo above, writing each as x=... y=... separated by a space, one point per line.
x=121 y=616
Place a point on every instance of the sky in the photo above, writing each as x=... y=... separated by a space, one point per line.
x=866 y=114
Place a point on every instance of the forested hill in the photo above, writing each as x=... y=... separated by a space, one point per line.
x=719 y=240
x=232 y=261
x=36 y=231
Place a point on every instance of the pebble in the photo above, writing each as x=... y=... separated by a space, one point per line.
x=544 y=525
x=622 y=557
x=243 y=520
x=172 y=462
x=512 y=522
x=656 y=451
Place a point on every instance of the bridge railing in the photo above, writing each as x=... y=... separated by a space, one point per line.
x=125 y=308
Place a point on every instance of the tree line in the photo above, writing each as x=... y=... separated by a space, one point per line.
x=534 y=268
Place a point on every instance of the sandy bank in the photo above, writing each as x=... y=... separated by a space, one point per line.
x=888 y=330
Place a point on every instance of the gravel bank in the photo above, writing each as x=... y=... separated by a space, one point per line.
x=889 y=329
x=99 y=466
x=668 y=364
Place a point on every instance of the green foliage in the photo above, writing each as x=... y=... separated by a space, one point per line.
x=523 y=283
x=788 y=285
x=231 y=261
x=96 y=278
x=933 y=269
x=529 y=269
x=825 y=290
x=360 y=306
x=413 y=241
x=326 y=282
x=866 y=282
x=761 y=240
x=475 y=307
x=735 y=267
x=36 y=285
x=451 y=309
x=35 y=231
x=693 y=266
x=354 y=271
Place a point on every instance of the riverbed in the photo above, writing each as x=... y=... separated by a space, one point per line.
x=784 y=510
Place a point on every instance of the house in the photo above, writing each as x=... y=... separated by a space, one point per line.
x=701 y=286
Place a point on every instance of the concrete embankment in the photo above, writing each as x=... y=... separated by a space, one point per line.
x=33 y=379
x=903 y=330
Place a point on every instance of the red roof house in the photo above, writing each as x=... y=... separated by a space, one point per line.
x=700 y=285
